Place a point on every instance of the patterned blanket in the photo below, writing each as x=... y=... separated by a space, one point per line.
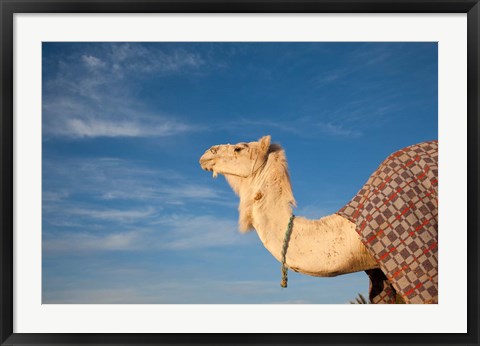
x=396 y=216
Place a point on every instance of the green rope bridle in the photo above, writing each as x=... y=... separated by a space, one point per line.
x=284 y=252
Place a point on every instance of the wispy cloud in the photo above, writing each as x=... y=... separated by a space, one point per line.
x=194 y=232
x=157 y=291
x=93 y=95
x=140 y=58
x=73 y=118
x=329 y=77
x=363 y=57
x=305 y=127
x=340 y=130
x=91 y=127
x=119 y=179
x=54 y=196
x=190 y=191
x=284 y=126
x=359 y=114
x=202 y=288
x=154 y=213
x=173 y=233
x=92 y=62
x=114 y=214
x=177 y=193
x=69 y=242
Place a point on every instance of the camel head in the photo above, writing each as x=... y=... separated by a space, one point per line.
x=238 y=160
x=251 y=169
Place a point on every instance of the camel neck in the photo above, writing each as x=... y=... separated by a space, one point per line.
x=322 y=247
x=270 y=219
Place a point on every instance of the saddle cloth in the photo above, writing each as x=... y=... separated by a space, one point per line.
x=396 y=216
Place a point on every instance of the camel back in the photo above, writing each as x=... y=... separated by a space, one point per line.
x=396 y=216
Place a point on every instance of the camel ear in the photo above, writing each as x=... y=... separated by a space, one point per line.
x=265 y=143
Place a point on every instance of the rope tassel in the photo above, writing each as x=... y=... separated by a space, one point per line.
x=284 y=252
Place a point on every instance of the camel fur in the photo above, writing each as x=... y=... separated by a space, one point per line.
x=258 y=174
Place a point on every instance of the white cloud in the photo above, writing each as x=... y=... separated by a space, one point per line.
x=156 y=291
x=190 y=191
x=305 y=127
x=82 y=241
x=114 y=214
x=174 y=233
x=72 y=118
x=289 y=127
x=128 y=57
x=351 y=119
x=108 y=180
x=114 y=286
x=176 y=193
x=337 y=130
x=96 y=102
x=330 y=77
x=77 y=127
x=117 y=179
x=92 y=62
x=54 y=196
x=194 y=232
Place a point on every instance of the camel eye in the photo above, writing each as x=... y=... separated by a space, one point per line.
x=238 y=149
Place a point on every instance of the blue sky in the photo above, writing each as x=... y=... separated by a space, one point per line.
x=129 y=216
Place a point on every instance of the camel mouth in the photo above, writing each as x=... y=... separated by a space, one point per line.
x=207 y=165
x=207 y=162
x=209 y=169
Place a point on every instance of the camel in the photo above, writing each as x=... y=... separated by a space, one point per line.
x=332 y=245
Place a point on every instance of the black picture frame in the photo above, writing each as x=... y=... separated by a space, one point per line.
x=9 y=7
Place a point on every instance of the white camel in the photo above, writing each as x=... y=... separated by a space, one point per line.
x=258 y=173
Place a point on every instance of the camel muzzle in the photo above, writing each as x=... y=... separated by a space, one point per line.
x=206 y=161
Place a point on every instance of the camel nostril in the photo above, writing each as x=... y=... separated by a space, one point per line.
x=213 y=150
